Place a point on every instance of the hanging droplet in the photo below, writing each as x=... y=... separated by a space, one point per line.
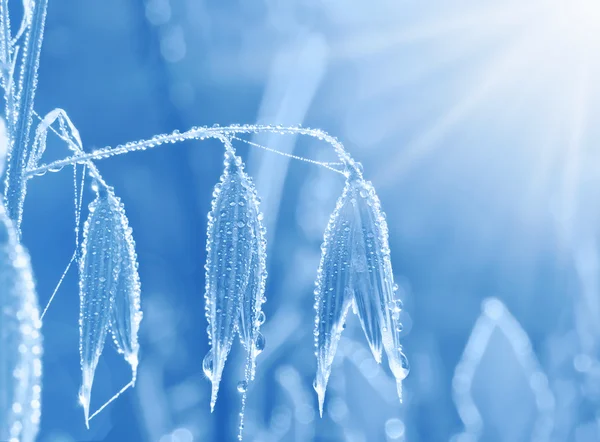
x=242 y=386
x=207 y=365
x=405 y=364
x=260 y=343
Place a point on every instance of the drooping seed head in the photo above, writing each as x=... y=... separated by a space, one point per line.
x=356 y=268
x=109 y=288
x=233 y=254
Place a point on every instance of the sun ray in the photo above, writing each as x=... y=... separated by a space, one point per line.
x=374 y=41
x=501 y=70
x=568 y=212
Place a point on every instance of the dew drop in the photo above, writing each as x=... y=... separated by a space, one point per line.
x=242 y=386
x=404 y=363
x=260 y=343
x=207 y=365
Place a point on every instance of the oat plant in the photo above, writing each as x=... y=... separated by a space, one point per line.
x=355 y=269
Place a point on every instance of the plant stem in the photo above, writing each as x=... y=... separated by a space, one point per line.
x=192 y=134
x=16 y=180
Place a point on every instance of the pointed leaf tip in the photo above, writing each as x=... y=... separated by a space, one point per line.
x=217 y=373
x=85 y=393
x=321 y=395
x=399 y=390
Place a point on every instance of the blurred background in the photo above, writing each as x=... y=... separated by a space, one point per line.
x=477 y=122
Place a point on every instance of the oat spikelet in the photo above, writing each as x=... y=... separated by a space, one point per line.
x=109 y=289
x=235 y=255
x=356 y=268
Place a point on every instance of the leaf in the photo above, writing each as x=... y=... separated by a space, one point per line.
x=126 y=311
x=99 y=268
x=332 y=291
x=20 y=340
x=231 y=245
x=373 y=280
x=251 y=314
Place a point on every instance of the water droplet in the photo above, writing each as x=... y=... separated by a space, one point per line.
x=242 y=386
x=207 y=365
x=261 y=318
x=260 y=343
x=404 y=363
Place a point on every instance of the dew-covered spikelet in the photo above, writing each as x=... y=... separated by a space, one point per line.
x=126 y=312
x=332 y=292
x=355 y=268
x=235 y=273
x=109 y=288
x=20 y=336
x=251 y=316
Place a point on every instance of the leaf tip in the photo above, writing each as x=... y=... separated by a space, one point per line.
x=84 y=400
x=214 y=394
x=320 y=389
x=399 y=390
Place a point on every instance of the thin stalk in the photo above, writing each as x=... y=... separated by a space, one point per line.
x=289 y=155
x=192 y=134
x=9 y=53
x=15 y=176
x=112 y=399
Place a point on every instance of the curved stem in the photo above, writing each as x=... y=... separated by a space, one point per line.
x=195 y=133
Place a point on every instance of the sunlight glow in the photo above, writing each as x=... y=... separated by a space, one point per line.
x=547 y=55
x=577 y=21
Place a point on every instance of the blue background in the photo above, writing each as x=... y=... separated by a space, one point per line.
x=475 y=121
